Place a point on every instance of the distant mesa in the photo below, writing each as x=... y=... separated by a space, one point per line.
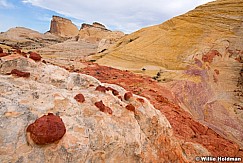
x=99 y=25
x=97 y=33
x=94 y=25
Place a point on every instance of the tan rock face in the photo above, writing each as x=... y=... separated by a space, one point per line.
x=91 y=135
x=63 y=27
x=183 y=53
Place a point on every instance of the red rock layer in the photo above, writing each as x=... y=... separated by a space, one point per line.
x=47 y=129
x=184 y=126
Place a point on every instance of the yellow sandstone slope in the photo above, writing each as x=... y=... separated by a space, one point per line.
x=173 y=43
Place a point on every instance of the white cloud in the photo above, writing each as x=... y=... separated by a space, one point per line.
x=125 y=15
x=5 y=4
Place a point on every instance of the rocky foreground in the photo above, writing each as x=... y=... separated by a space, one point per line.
x=104 y=123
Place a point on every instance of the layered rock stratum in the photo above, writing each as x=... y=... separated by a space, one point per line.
x=199 y=56
x=142 y=134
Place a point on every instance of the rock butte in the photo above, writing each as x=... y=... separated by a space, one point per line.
x=63 y=27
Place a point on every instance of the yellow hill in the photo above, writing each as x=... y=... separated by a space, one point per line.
x=173 y=43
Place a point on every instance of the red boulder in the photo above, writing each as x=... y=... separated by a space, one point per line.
x=47 y=129
x=20 y=73
x=130 y=107
x=103 y=108
x=18 y=51
x=79 y=98
x=3 y=54
x=100 y=88
x=120 y=97
x=140 y=100
x=35 y=56
x=114 y=92
x=128 y=95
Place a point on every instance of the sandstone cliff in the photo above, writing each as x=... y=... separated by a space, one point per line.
x=132 y=131
x=63 y=27
x=199 y=56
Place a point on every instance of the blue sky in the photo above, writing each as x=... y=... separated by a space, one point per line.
x=15 y=13
x=125 y=15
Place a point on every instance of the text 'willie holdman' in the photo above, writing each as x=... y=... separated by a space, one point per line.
x=219 y=159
